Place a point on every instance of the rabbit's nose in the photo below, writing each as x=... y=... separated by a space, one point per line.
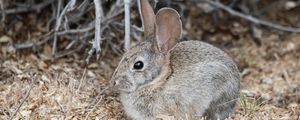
x=119 y=81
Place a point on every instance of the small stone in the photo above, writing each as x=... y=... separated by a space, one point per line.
x=93 y=66
x=293 y=105
x=267 y=80
x=207 y=8
x=5 y=39
x=290 y=5
x=266 y=96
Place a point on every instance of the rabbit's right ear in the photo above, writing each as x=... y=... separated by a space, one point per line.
x=168 y=29
x=147 y=17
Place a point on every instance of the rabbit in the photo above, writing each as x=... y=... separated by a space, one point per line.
x=161 y=76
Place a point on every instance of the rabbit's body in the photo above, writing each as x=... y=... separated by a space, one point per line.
x=161 y=76
x=196 y=83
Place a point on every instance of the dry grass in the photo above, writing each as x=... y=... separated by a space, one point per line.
x=60 y=91
x=271 y=81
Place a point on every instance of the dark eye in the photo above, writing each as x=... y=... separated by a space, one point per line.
x=138 y=65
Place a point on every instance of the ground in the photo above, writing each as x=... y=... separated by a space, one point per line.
x=270 y=84
x=39 y=88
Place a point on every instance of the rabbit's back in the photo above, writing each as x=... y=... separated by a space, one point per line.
x=192 y=53
x=204 y=79
x=187 y=53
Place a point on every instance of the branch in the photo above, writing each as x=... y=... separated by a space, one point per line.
x=58 y=20
x=251 y=18
x=91 y=26
x=36 y=7
x=44 y=40
x=69 y=7
x=115 y=11
x=97 y=40
x=2 y=9
x=127 y=24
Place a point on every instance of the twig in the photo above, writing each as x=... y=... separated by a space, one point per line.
x=24 y=99
x=70 y=44
x=69 y=7
x=64 y=53
x=127 y=24
x=46 y=37
x=82 y=38
x=4 y=111
x=91 y=26
x=81 y=80
x=58 y=20
x=79 y=34
x=61 y=109
x=94 y=106
x=117 y=7
x=97 y=40
x=251 y=18
x=2 y=9
x=36 y=7
x=115 y=48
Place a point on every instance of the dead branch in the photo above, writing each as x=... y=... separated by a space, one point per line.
x=2 y=9
x=127 y=24
x=97 y=40
x=36 y=7
x=90 y=27
x=251 y=18
x=65 y=53
x=44 y=38
x=58 y=20
x=94 y=28
x=69 y=7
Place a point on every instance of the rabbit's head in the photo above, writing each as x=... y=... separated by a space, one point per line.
x=147 y=60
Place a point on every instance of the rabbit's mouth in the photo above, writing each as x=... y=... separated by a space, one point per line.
x=125 y=85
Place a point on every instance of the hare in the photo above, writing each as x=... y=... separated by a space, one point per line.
x=161 y=76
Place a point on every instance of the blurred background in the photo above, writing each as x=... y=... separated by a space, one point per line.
x=45 y=47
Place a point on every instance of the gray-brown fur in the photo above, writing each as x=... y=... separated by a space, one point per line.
x=187 y=80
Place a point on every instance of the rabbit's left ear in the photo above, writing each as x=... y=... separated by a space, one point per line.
x=147 y=17
x=168 y=29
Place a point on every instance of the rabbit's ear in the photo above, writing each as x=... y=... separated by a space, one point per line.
x=147 y=17
x=168 y=29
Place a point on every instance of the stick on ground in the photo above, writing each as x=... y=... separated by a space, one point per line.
x=251 y=18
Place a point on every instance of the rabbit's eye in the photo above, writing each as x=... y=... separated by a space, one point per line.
x=138 y=65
